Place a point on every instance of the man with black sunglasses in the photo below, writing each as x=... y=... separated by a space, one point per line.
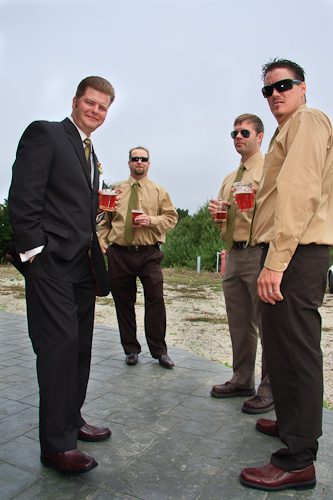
x=136 y=252
x=241 y=274
x=293 y=211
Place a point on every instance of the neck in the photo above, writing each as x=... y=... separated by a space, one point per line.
x=246 y=157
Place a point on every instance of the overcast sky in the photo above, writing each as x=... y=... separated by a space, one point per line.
x=182 y=71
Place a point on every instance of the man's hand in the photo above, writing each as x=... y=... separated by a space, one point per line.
x=212 y=207
x=269 y=285
x=143 y=220
x=104 y=249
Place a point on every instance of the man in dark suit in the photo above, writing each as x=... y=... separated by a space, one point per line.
x=53 y=202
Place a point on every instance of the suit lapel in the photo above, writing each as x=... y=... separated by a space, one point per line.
x=75 y=139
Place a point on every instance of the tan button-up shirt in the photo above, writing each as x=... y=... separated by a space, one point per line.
x=252 y=172
x=294 y=205
x=154 y=201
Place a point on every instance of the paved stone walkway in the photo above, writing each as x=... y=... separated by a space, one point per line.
x=170 y=439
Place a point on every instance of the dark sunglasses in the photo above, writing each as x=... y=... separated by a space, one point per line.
x=280 y=86
x=245 y=133
x=137 y=158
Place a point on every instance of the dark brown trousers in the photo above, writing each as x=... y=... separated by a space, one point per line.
x=124 y=267
x=292 y=334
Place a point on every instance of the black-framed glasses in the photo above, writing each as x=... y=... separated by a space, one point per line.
x=245 y=133
x=137 y=158
x=280 y=86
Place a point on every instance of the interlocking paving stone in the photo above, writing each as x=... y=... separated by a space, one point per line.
x=170 y=439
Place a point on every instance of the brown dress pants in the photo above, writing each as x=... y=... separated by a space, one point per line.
x=292 y=332
x=243 y=307
x=124 y=267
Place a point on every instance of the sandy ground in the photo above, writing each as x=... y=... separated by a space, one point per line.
x=196 y=321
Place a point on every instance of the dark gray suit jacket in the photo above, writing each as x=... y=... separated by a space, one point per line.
x=51 y=200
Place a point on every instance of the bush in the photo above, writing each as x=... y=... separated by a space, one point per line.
x=6 y=233
x=193 y=236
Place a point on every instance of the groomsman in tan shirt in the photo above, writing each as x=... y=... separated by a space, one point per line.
x=293 y=226
x=243 y=304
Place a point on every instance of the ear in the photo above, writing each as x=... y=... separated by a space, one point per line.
x=260 y=137
x=303 y=88
x=74 y=102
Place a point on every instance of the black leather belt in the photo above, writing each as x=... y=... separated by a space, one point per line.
x=133 y=248
x=239 y=244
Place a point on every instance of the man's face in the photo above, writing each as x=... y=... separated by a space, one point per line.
x=90 y=110
x=284 y=104
x=247 y=146
x=139 y=169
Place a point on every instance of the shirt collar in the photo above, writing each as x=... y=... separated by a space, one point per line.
x=82 y=134
x=141 y=182
x=302 y=106
x=252 y=160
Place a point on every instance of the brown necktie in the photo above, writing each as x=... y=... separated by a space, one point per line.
x=229 y=235
x=87 y=150
x=129 y=232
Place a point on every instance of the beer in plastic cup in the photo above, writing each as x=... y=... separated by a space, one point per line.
x=110 y=189
x=244 y=193
x=222 y=211
x=135 y=213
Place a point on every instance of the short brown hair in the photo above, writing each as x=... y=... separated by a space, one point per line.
x=296 y=69
x=96 y=83
x=138 y=147
x=253 y=119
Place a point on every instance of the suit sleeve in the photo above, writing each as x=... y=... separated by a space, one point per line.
x=31 y=171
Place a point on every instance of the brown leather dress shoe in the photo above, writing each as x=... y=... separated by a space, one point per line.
x=69 y=462
x=258 y=404
x=165 y=361
x=271 y=478
x=132 y=359
x=93 y=433
x=229 y=390
x=267 y=427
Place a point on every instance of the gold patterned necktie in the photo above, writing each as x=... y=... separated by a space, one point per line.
x=87 y=150
x=229 y=235
x=129 y=232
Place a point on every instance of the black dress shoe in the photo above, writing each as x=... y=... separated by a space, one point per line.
x=93 y=433
x=132 y=359
x=69 y=462
x=165 y=361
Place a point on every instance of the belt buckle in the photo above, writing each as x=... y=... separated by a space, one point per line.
x=132 y=248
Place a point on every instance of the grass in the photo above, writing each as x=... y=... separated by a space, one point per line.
x=192 y=280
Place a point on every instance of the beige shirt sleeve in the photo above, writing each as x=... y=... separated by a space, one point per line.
x=292 y=207
x=154 y=201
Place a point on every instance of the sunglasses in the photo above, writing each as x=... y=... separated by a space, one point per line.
x=245 y=133
x=280 y=86
x=137 y=158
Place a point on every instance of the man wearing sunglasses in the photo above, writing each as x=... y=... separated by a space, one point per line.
x=136 y=252
x=292 y=225
x=241 y=274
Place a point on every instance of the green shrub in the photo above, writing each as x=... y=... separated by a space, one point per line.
x=195 y=235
